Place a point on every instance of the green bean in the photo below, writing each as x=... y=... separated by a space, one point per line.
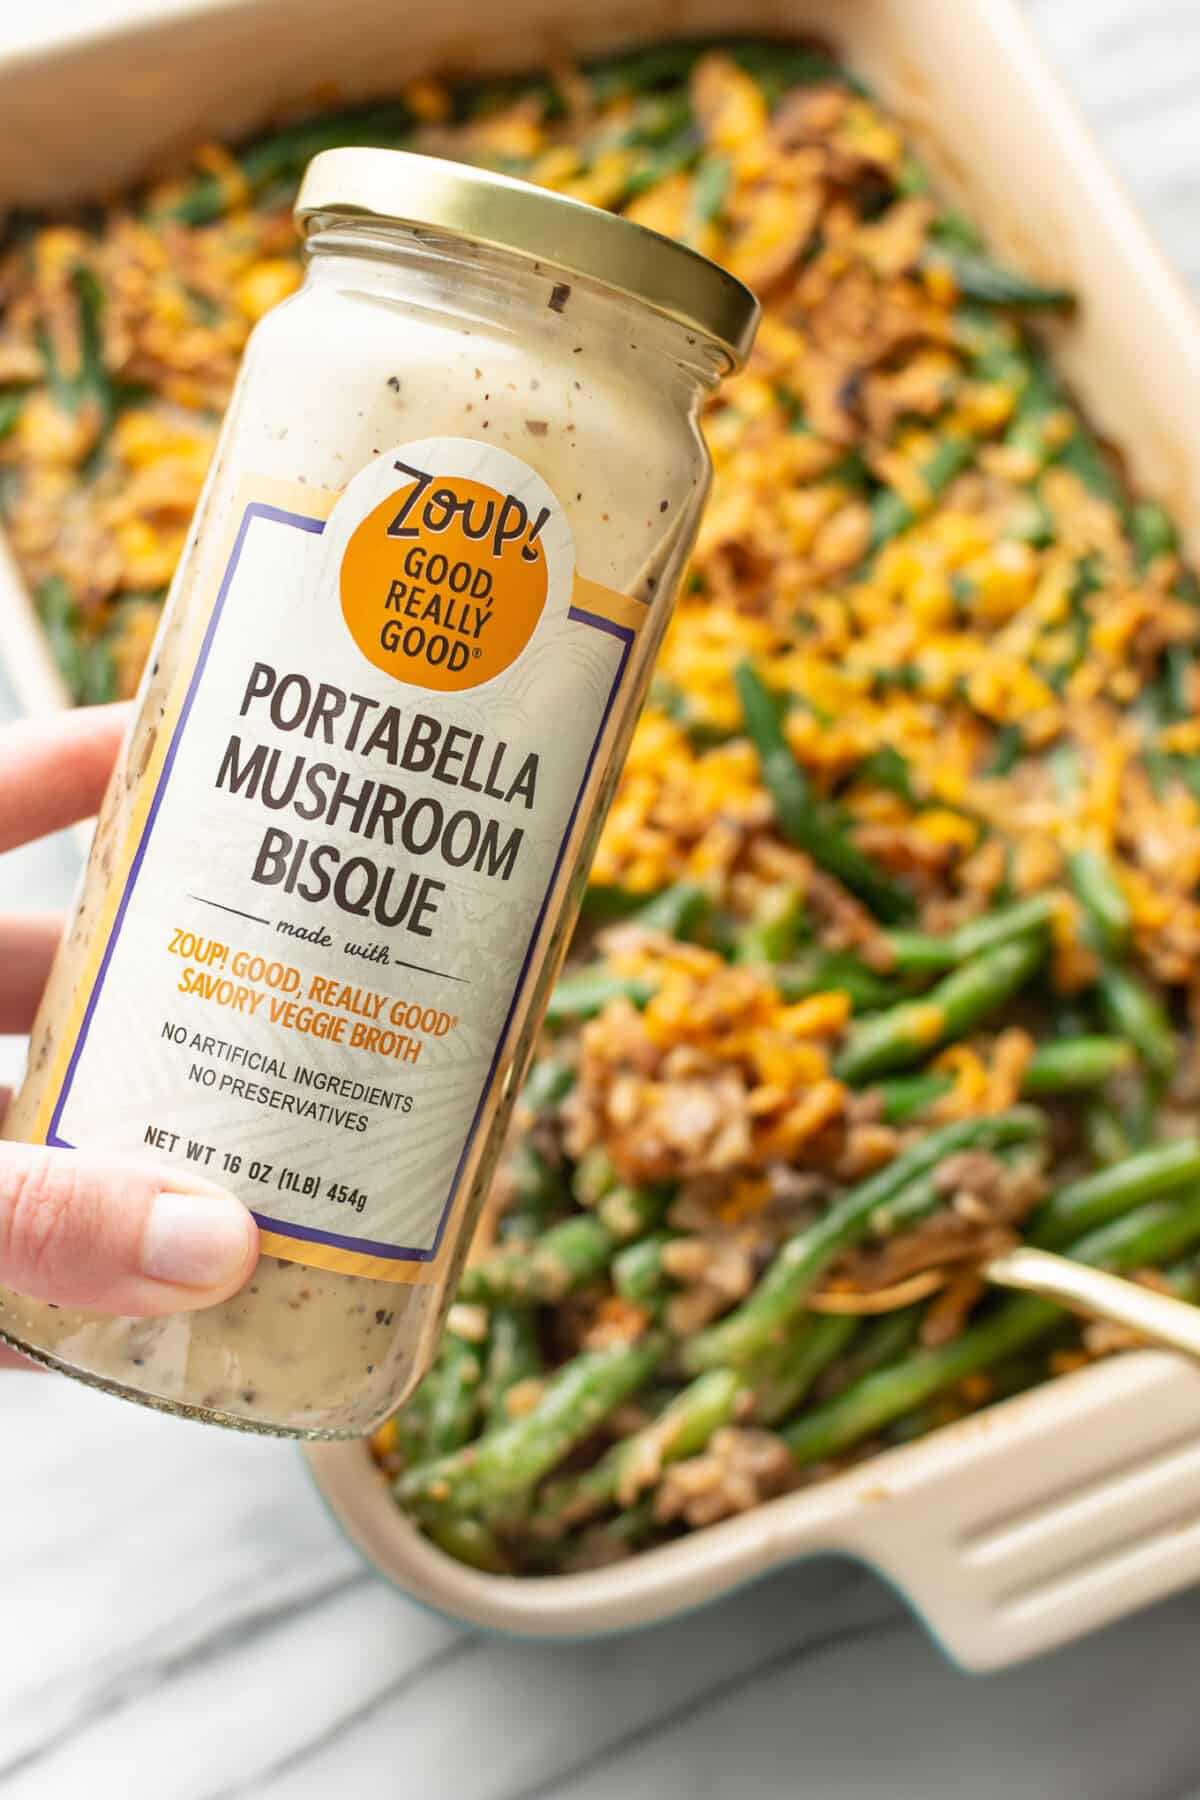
x=1175 y=683
x=1104 y=1134
x=1183 y=1279
x=1083 y=455
x=604 y=1541
x=1099 y=892
x=913 y=177
x=1014 y=1375
x=761 y=1321
x=595 y=1175
x=956 y=231
x=881 y=1341
x=1152 y=532
x=497 y=1473
x=652 y=121
x=783 y=1381
x=1008 y=749
x=676 y=912
x=628 y=1211
x=955 y=1006
x=851 y=470
x=1151 y=1234
x=1094 y=1199
x=875 y=1401
x=562 y=1259
x=454 y=1394
x=1139 y=1240
x=886 y=768
x=1002 y=925
x=914 y=1202
x=1073 y=1065
x=701 y=733
x=513 y=1355
x=778 y=65
x=587 y=993
x=412 y=1426
x=541 y=1191
x=811 y=827
x=891 y=513
x=637 y=71
x=920 y=953
x=682 y=1429
x=772 y=934
x=99 y=673
x=1041 y=398
x=604 y=901
x=710 y=189
x=86 y=664
x=11 y=403
x=1070 y=1066
x=63 y=625
x=935 y=1415
x=472 y=1542
x=775 y=63
x=1139 y=1110
x=674 y=157
x=978 y=278
x=833 y=971
x=1131 y=1010
x=547 y=1083
x=916 y=952
x=284 y=155
x=568 y=1255
x=904 y=1097
x=637 y=1271
x=1087 y=580
x=91 y=381
x=1034 y=525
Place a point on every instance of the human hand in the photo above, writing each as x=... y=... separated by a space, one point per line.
x=79 y=1228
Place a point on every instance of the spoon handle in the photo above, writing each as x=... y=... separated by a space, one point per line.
x=1160 y=1318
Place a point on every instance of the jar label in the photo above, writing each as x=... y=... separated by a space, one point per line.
x=356 y=819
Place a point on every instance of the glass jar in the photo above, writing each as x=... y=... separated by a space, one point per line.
x=347 y=835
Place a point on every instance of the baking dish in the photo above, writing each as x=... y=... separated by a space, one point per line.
x=1042 y=1518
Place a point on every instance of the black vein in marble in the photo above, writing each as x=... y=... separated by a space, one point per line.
x=713 y=1695
x=1189 y=1791
x=149 y=1674
x=403 y=1685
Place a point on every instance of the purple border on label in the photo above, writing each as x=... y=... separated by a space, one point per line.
x=285 y=1228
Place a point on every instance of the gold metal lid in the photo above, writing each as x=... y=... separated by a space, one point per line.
x=403 y=187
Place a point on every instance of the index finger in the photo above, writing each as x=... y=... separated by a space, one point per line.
x=54 y=771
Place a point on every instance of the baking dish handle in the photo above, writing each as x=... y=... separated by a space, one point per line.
x=1018 y=1530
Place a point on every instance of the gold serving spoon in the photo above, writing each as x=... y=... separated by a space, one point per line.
x=1157 y=1317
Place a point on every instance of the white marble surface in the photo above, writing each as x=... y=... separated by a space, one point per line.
x=179 y=1620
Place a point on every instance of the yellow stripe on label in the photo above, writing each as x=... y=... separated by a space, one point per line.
x=345 y=1262
x=606 y=603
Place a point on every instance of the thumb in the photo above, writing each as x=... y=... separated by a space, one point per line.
x=113 y=1235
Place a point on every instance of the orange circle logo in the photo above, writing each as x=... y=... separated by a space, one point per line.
x=443 y=583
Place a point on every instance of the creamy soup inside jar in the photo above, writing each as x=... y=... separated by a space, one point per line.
x=346 y=838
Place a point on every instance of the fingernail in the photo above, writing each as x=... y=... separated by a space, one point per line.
x=195 y=1240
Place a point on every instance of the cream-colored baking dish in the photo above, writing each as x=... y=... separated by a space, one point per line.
x=1042 y=1518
